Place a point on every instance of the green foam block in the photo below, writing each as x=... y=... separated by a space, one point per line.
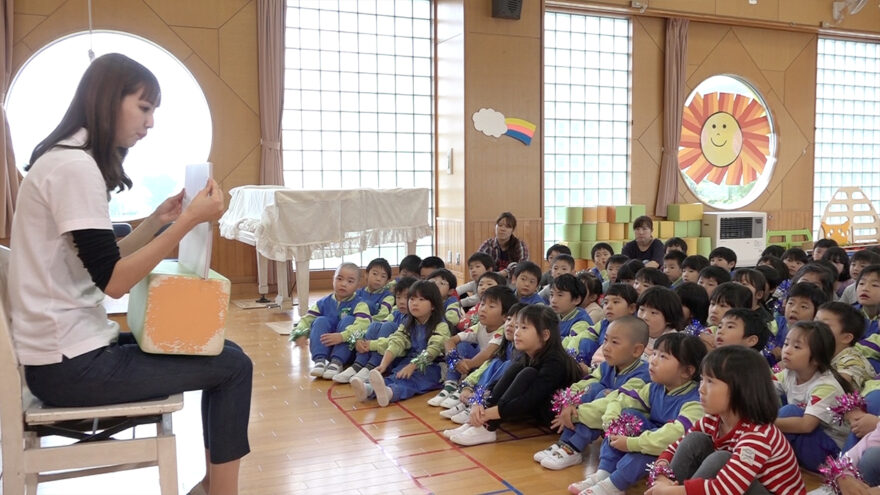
x=574 y=215
x=694 y=228
x=622 y=214
x=588 y=232
x=630 y=231
x=617 y=246
x=681 y=229
x=636 y=211
x=576 y=249
x=586 y=247
x=704 y=246
x=571 y=232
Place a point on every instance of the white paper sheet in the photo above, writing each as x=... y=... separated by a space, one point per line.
x=194 y=251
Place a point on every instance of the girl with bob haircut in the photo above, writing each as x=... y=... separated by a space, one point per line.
x=525 y=389
x=735 y=448
x=65 y=258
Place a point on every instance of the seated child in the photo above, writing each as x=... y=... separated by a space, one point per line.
x=802 y=303
x=649 y=277
x=486 y=280
x=488 y=373
x=376 y=293
x=694 y=307
x=327 y=318
x=672 y=267
x=723 y=257
x=839 y=258
x=667 y=405
x=525 y=390
x=594 y=292
x=810 y=387
x=660 y=308
x=868 y=292
x=619 y=301
x=526 y=276
x=478 y=264
x=724 y=298
x=627 y=273
x=414 y=346
x=711 y=277
x=366 y=359
x=676 y=244
x=847 y=326
x=692 y=266
x=794 y=258
x=446 y=282
x=755 y=281
x=477 y=344
x=820 y=246
x=562 y=264
x=430 y=265
x=735 y=448
x=552 y=252
x=743 y=327
x=600 y=253
x=819 y=275
x=614 y=264
x=860 y=259
x=774 y=250
x=623 y=367
x=566 y=295
x=409 y=267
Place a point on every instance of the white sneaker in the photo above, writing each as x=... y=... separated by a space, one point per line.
x=363 y=374
x=591 y=480
x=332 y=370
x=561 y=458
x=439 y=398
x=362 y=389
x=346 y=375
x=474 y=436
x=319 y=368
x=449 y=413
x=604 y=487
x=462 y=417
x=383 y=392
x=822 y=490
x=451 y=401
x=455 y=431
x=541 y=454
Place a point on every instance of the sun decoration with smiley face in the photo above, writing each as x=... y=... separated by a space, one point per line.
x=724 y=137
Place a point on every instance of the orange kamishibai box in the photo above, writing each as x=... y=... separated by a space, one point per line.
x=173 y=311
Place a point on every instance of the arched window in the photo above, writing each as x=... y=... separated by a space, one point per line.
x=44 y=86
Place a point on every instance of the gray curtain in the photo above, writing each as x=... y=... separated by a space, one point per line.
x=673 y=101
x=9 y=178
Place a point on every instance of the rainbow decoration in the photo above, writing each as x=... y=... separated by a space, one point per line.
x=520 y=129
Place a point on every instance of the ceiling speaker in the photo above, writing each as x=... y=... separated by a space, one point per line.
x=507 y=9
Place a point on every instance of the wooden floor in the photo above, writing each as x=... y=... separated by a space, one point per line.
x=311 y=436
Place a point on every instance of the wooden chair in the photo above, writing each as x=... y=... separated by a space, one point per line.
x=24 y=420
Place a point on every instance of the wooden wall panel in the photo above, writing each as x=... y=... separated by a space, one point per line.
x=450 y=245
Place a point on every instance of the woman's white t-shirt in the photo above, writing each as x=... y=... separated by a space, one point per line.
x=56 y=307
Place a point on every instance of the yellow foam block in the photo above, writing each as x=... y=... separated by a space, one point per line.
x=589 y=214
x=667 y=229
x=692 y=244
x=601 y=213
x=172 y=311
x=616 y=231
x=602 y=231
x=680 y=212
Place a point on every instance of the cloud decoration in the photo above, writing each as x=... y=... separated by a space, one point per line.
x=490 y=122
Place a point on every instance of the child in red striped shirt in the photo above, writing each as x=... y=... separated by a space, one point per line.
x=735 y=448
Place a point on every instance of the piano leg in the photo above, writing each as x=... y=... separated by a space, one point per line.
x=262 y=277
x=281 y=280
x=302 y=285
x=411 y=247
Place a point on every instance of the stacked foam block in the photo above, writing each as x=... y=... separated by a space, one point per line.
x=685 y=220
x=585 y=226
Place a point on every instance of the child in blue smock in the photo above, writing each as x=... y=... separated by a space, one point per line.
x=376 y=293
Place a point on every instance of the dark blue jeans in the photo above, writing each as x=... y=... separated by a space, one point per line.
x=121 y=372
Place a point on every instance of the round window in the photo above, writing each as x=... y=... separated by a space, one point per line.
x=728 y=147
x=44 y=86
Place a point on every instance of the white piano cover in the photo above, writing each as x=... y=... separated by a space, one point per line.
x=286 y=224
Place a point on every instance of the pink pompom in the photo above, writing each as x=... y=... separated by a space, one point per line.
x=845 y=404
x=834 y=469
x=564 y=398
x=627 y=425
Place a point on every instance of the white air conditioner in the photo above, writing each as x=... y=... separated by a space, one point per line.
x=743 y=231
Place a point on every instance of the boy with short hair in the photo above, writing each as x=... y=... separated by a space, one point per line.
x=868 y=292
x=600 y=254
x=801 y=304
x=723 y=257
x=623 y=368
x=429 y=265
x=562 y=264
x=486 y=280
x=848 y=327
x=526 y=277
x=672 y=261
x=376 y=293
x=552 y=252
x=566 y=295
x=620 y=300
x=649 y=277
x=820 y=246
x=794 y=258
x=478 y=264
x=676 y=244
x=860 y=259
x=409 y=267
x=742 y=326
x=692 y=266
x=611 y=268
x=711 y=277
